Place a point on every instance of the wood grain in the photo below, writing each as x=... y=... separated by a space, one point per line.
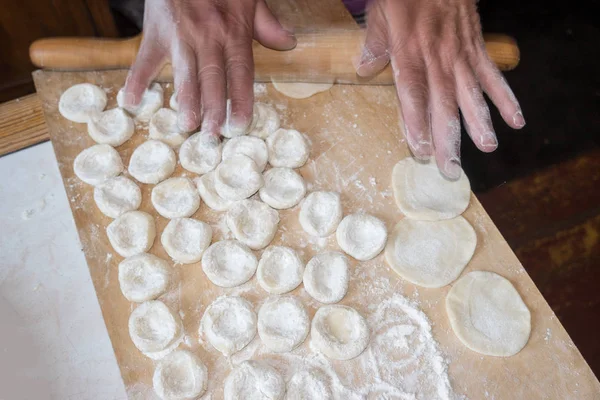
x=22 y=124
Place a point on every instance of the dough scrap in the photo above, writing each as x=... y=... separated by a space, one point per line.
x=320 y=213
x=208 y=193
x=301 y=90
x=116 y=196
x=361 y=236
x=229 y=263
x=152 y=100
x=326 y=277
x=152 y=162
x=283 y=323
x=175 y=198
x=200 y=153
x=309 y=384
x=180 y=375
x=238 y=178
x=154 y=329
x=250 y=146
x=431 y=253
x=423 y=193
x=132 y=233
x=287 y=148
x=81 y=102
x=339 y=332
x=284 y=188
x=163 y=126
x=98 y=163
x=488 y=315
x=253 y=223
x=266 y=121
x=254 y=380
x=280 y=270
x=143 y=277
x=186 y=239
x=113 y=127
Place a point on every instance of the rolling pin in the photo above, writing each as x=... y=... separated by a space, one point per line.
x=318 y=57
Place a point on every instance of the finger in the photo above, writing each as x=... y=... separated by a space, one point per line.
x=374 y=56
x=148 y=62
x=269 y=32
x=239 y=65
x=186 y=86
x=211 y=72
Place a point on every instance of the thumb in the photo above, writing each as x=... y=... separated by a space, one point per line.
x=374 y=56
x=269 y=32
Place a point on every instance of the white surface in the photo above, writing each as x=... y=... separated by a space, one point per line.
x=53 y=341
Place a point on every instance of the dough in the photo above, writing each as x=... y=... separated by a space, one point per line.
x=326 y=277
x=186 y=239
x=238 y=178
x=339 y=332
x=283 y=323
x=176 y=198
x=250 y=146
x=361 y=236
x=280 y=270
x=143 y=277
x=208 y=193
x=287 y=148
x=113 y=127
x=431 y=253
x=80 y=102
x=116 y=196
x=152 y=100
x=284 y=188
x=422 y=192
x=154 y=329
x=301 y=90
x=253 y=223
x=229 y=324
x=309 y=385
x=180 y=375
x=254 y=380
x=152 y=162
x=173 y=103
x=200 y=153
x=320 y=213
x=266 y=121
x=488 y=315
x=163 y=126
x=228 y=263
x=98 y=163
x=132 y=233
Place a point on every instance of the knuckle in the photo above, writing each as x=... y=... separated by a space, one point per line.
x=210 y=72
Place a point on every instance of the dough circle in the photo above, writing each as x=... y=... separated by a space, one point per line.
x=309 y=385
x=180 y=376
x=208 y=193
x=266 y=121
x=287 y=148
x=200 y=153
x=152 y=100
x=175 y=198
x=339 y=332
x=361 y=236
x=132 y=233
x=280 y=270
x=152 y=162
x=154 y=329
x=98 y=163
x=422 y=192
x=81 y=102
x=284 y=188
x=326 y=277
x=253 y=223
x=488 y=315
x=250 y=146
x=116 y=196
x=229 y=263
x=143 y=277
x=283 y=323
x=320 y=213
x=238 y=178
x=186 y=239
x=254 y=380
x=113 y=127
x=301 y=90
x=431 y=253
x=163 y=126
x=229 y=324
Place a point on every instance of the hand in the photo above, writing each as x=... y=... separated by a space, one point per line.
x=440 y=65
x=209 y=44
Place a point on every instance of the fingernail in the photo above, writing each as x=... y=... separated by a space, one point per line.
x=518 y=119
x=452 y=168
x=129 y=100
x=489 y=140
x=187 y=120
x=237 y=124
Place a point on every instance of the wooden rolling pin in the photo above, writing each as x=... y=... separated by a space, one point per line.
x=318 y=57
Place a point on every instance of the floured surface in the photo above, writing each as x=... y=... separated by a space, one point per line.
x=355 y=142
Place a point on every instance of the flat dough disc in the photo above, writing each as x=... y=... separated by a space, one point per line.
x=284 y=188
x=116 y=196
x=423 y=193
x=98 y=163
x=320 y=213
x=309 y=384
x=283 y=323
x=339 y=332
x=143 y=277
x=326 y=277
x=238 y=178
x=301 y=90
x=200 y=153
x=152 y=100
x=175 y=198
x=208 y=193
x=488 y=315
x=253 y=223
x=266 y=121
x=132 y=233
x=163 y=126
x=154 y=329
x=254 y=380
x=361 y=236
x=229 y=263
x=280 y=270
x=431 y=253
x=250 y=146
x=152 y=162
x=81 y=102
x=287 y=148
x=180 y=375
x=186 y=239
x=113 y=127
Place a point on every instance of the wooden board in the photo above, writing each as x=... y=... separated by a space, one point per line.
x=21 y=124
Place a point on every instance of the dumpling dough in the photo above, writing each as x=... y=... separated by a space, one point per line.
x=238 y=178
x=180 y=375
x=175 y=198
x=284 y=188
x=229 y=263
x=308 y=385
x=488 y=315
x=266 y=121
x=152 y=100
x=152 y=162
x=229 y=324
x=287 y=148
x=320 y=213
x=280 y=270
x=229 y=131
x=113 y=127
x=253 y=223
x=326 y=277
x=154 y=329
x=283 y=323
x=254 y=380
x=186 y=239
x=163 y=126
x=423 y=193
x=143 y=277
x=98 y=163
x=339 y=332
x=200 y=153
x=208 y=193
x=431 y=253
x=301 y=90
x=80 y=102
x=132 y=233
x=361 y=236
x=250 y=146
x=116 y=196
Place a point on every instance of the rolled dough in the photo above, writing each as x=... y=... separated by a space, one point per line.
x=113 y=127
x=301 y=90
x=283 y=323
x=163 y=126
x=98 y=163
x=253 y=223
x=254 y=380
x=143 y=277
x=116 y=196
x=339 y=332
x=200 y=153
x=152 y=162
x=81 y=102
x=180 y=376
x=186 y=239
x=175 y=198
x=229 y=263
x=361 y=236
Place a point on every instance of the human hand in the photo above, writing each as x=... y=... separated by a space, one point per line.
x=440 y=65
